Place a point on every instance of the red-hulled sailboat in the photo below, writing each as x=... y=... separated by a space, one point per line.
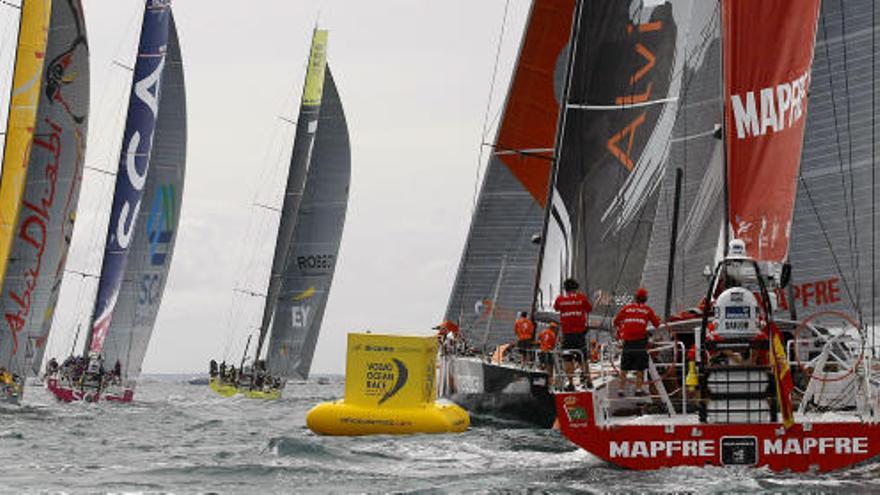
x=762 y=389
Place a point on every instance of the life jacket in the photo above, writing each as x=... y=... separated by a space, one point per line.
x=573 y=309
x=524 y=328
x=547 y=337
x=632 y=321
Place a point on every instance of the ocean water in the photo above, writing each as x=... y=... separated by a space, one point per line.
x=180 y=438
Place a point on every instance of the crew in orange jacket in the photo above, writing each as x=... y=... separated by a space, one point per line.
x=547 y=338
x=525 y=336
x=632 y=329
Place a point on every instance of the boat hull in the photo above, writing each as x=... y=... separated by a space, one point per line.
x=819 y=446
x=226 y=390
x=71 y=394
x=500 y=391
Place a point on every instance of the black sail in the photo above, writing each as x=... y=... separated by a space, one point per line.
x=697 y=151
x=833 y=238
x=315 y=243
x=623 y=103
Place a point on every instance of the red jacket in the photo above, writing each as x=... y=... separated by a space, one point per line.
x=632 y=321
x=573 y=309
x=524 y=328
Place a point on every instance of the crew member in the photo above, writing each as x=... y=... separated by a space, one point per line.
x=573 y=307
x=547 y=339
x=525 y=336
x=448 y=334
x=632 y=329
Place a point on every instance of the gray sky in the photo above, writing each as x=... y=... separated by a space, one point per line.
x=414 y=77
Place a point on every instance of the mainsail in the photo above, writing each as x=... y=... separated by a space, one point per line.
x=22 y=120
x=43 y=231
x=152 y=244
x=303 y=147
x=834 y=234
x=316 y=238
x=623 y=102
x=134 y=165
x=496 y=275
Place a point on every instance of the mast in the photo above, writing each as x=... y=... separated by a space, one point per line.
x=554 y=167
x=306 y=128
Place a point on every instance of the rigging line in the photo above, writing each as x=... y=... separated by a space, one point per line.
x=824 y=231
x=873 y=172
x=489 y=103
x=839 y=155
x=10 y=4
x=855 y=247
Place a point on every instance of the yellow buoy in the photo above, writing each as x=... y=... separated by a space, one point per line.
x=389 y=389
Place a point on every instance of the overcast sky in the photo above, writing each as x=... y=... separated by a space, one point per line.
x=414 y=78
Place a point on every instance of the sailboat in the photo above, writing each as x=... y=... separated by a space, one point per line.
x=307 y=243
x=776 y=380
x=583 y=138
x=143 y=223
x=46 y=131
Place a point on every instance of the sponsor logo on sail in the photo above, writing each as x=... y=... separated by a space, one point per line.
x=160 y=224
x=774 y=108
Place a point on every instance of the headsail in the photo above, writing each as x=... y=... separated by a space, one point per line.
x=134 y=164
x=765 y=109
x=303 y=144
x=496 y=275
x=622 y=108
x=23 y=103
x=152 y=245
x=43 y=231
x=316 y=238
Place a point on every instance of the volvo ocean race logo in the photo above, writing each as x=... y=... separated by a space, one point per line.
x=385 y=379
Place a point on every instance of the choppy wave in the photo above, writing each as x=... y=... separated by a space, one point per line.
x=180 y=438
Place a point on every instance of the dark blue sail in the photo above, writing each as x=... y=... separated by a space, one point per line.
x=134 y=163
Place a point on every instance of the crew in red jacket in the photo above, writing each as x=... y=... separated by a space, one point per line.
x=573 y=307
x=632 y=329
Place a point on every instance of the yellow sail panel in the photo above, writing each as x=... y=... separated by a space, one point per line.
x=26 y=80
x=314 y=87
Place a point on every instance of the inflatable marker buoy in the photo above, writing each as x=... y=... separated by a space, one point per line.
x=389 y=389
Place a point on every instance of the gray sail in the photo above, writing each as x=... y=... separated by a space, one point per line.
x=496 y=274
x=833 y=238
x=152 y=245
x=303 y=147
x=45 y=223
x=698 y=152
x=316 y=238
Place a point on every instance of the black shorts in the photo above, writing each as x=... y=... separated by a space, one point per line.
x=546 y=358
x=523 y=345
x=574 y=342
x=635 y=355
